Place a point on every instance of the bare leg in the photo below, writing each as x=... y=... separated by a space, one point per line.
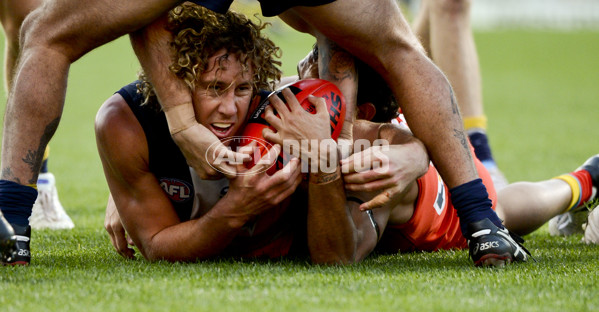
x=422 y=25
x=54 y=36
x=12 y=14
x=380 y=36
x=444 y=28
x=453 y=50
x=525 y=206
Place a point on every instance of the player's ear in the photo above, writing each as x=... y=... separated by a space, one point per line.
x=366 y=111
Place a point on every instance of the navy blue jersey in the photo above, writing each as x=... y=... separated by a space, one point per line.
x=279 y=232
x=166 y=161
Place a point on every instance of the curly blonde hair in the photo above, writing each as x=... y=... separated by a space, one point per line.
x=199 y=33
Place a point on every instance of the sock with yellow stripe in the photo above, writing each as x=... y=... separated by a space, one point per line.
x=581 y=183
x=44 y=167
x=476 y=129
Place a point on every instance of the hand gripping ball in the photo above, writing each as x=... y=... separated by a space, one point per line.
x=301 y=89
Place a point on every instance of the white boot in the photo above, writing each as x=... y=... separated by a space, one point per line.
x=47 y=211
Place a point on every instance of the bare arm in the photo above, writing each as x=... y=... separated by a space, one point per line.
x=333 y=236
x=379 y=35
x=151 y=45
x=388 y=169
x=147 y=214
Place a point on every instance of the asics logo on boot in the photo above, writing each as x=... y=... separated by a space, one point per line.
x=23 y=252
x=487 y=245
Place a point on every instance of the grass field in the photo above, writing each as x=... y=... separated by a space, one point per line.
x=541 y=93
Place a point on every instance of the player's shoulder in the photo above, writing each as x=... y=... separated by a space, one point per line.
x=116 y=125
x=366 y=130
x=113 y=113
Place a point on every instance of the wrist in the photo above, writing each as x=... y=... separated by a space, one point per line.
x=180 y=117
x=323 y=177
x=326 y=157
x=226 y=213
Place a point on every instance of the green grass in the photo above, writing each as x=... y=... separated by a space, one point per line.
x=540 y=92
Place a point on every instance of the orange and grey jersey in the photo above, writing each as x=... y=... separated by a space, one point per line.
x=434 y=224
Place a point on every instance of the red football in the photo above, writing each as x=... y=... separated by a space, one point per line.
x=327 y=90
x=301 y=89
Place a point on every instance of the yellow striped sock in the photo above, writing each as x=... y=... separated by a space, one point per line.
x=46 y=152
x=475 y=122
x=576 y=189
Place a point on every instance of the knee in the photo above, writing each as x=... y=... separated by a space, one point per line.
x=31 y=33
x=42 y=32
x=451 y=7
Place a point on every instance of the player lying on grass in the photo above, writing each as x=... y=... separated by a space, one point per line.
x=168 y=211
x=419 y=216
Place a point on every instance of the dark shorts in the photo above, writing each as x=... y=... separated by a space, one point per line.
x=269 y=7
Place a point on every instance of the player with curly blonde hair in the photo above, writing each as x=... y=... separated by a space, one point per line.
x=168 y=211
x=198 y=33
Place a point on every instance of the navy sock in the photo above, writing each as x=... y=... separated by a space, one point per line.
x=472 y=203
x=16 y=202
x=480 y=142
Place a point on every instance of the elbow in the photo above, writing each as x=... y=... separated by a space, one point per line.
x=154 y=251
x=151 y=254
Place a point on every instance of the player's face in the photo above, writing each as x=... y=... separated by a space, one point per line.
x=223 y=94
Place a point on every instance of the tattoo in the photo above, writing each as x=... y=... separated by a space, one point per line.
x=460 y=136
x=325 y=178
x=454 y=102
x=34 y=158
x=8 y=175
x=338 y=63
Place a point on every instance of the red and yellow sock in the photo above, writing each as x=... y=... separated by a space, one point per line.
x=582 y=187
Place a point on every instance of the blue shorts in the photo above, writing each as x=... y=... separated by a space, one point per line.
x=269 y=7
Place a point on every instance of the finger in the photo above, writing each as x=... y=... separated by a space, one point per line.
x=267 y=160
x=365 y=177
x=278 y=104
x=378 y=201
x=291 y=100
x=286 y=176
x=288 y=183
x=130 y=241
x=228 y=161
x=374 y=186
x=320 y=104
x=272 y=136
x=272 y=119
x=357 y=162
x=290 y=171
x=121 y=241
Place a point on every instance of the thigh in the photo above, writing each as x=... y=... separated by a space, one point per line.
x=78 y=26
x=372 y=30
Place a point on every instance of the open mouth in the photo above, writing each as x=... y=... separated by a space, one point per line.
x=221 y=129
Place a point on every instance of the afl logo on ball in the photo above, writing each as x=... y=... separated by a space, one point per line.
x=177 y=190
